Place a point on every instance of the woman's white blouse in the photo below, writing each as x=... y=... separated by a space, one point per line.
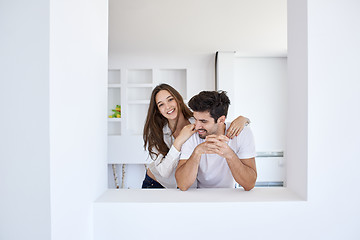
x=163 y=167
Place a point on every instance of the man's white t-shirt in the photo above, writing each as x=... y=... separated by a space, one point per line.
x=214 y=171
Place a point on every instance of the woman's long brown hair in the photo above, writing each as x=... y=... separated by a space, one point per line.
x=153 y=129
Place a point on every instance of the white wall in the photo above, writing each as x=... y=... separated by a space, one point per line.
x=201 y=26
x=334 y=87
x=78 y=114
x=24 y=122
x=53 y=117
x=261 y=94
x=297 y=112
x=257 y=87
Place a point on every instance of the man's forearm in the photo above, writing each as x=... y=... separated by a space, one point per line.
x=244 y=174
x=186 y=173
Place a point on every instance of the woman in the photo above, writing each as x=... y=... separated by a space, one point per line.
x=169 y=123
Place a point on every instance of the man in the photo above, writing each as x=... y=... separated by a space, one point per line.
x=208 y=156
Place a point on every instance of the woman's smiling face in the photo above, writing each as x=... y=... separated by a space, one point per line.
x=166 y=104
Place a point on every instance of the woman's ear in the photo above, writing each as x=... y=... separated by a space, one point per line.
x=221 y=119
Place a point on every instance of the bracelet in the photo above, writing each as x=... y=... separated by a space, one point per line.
x=248 y=122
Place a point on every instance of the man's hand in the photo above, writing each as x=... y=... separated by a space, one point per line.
x=206 y=148
x=218 y=145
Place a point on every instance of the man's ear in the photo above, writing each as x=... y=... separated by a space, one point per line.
x=221 y=119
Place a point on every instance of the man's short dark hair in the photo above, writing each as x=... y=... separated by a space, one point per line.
x=215 y=102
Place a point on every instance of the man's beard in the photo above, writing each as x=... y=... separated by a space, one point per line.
x=204 y=134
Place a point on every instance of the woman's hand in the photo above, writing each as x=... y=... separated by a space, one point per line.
x=237 y=126
x=184 y=135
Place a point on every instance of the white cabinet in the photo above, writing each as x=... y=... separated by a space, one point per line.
x=131 y=88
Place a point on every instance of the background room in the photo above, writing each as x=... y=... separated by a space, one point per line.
x=175 y=43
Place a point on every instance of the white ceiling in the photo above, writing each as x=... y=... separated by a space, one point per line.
x=197 y=26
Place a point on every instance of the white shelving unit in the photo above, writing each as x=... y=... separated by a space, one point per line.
x=131 y=88
x=114 y=98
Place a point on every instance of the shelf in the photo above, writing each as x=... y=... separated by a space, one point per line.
x=114 y=119
x=119 y=198
x=114 y=85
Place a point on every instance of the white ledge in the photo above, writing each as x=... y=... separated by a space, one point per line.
x=266 y=194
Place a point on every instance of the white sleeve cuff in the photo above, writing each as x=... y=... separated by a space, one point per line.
x=165 y=165
x=173 y=152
